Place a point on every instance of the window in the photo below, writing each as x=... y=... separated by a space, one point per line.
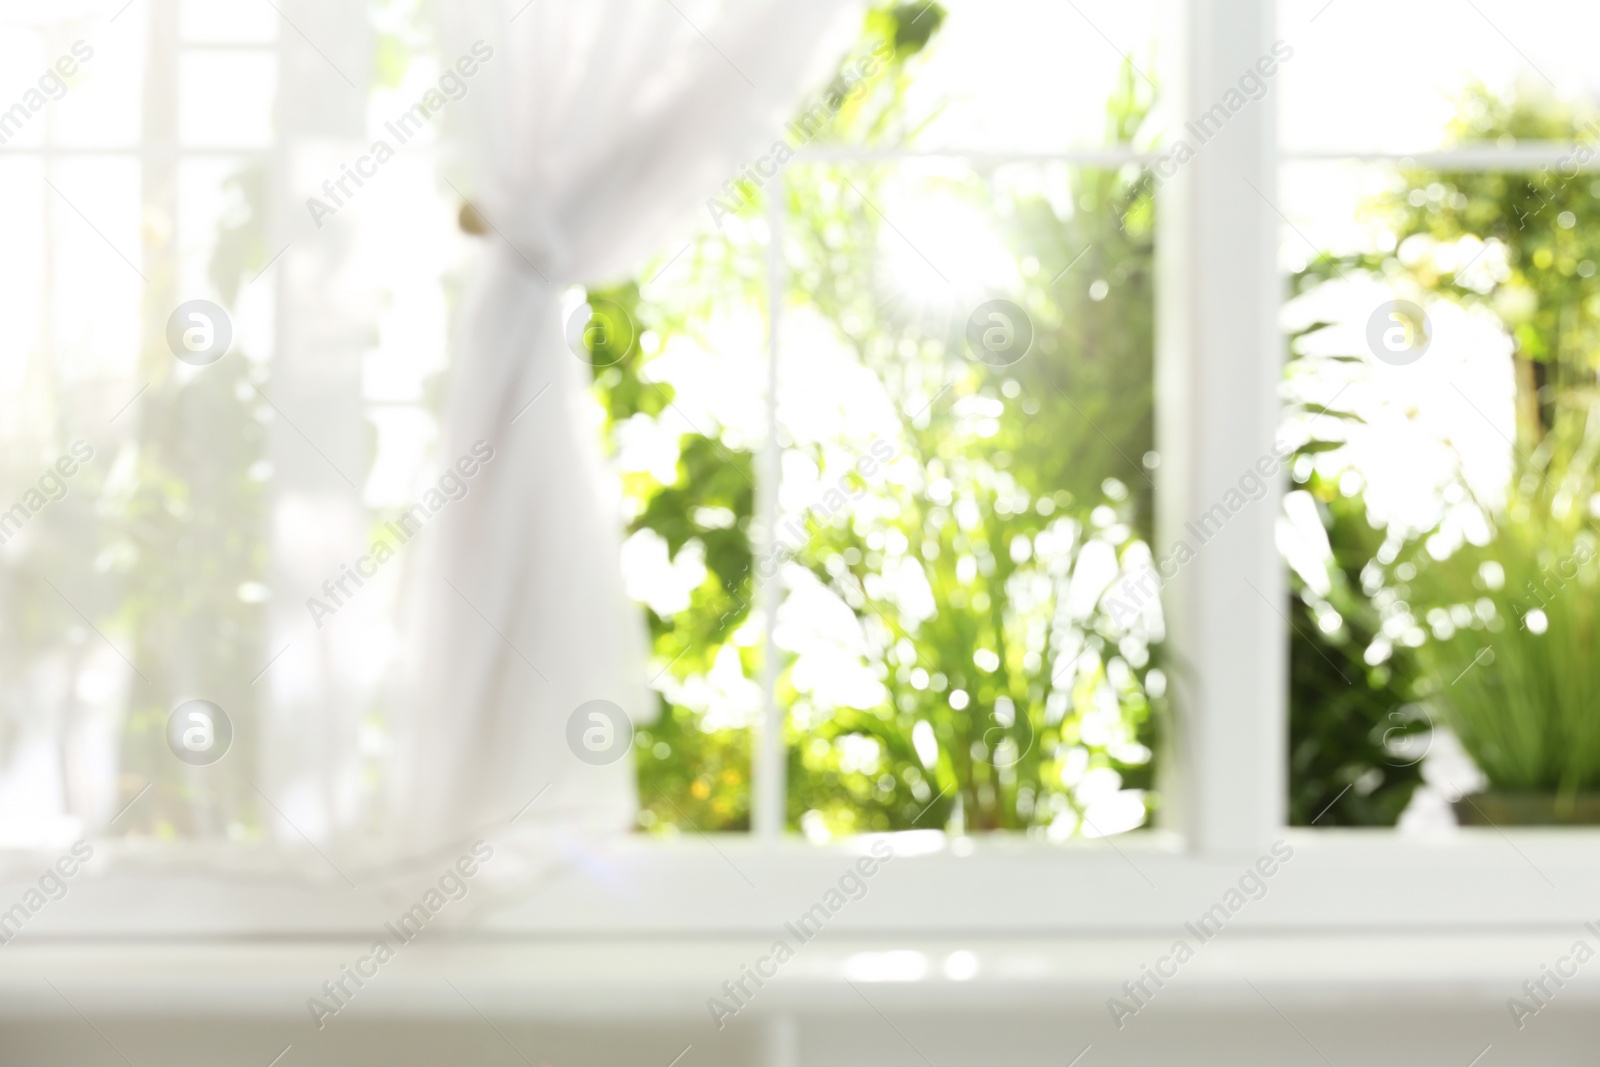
x=898 y=579
x=158 y=205
x=972 y=641
x=1441 y=264
x=907 y=569
x=124 y=194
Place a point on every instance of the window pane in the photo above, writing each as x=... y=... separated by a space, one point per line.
x=1443 y=603
x=680 y=372
x=22 y=195
x=91 y=205
x=987 y=68
x=1415 y=61
x=227 y=98
x=70 y=80
x=948 y=653
x=219 y=21
x=967 y=425
x=949 y=528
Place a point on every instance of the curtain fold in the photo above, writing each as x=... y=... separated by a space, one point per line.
x=593 y=131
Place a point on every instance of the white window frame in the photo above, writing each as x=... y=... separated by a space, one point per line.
x=1219 y=362
x=1352 y=908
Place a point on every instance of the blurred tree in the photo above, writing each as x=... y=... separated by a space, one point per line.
x=1010 y=700
x=1541 y=226
x=188 y=551
x=1521 y=245
x=1348 y=719
x=1349 y=764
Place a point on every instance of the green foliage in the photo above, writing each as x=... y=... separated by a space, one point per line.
x=992 y=691
x=181 y=567
x=191 y=535
x=1513 y=620
x=400 y=33
x=691 y=778
x=1011 y=685
x=1347 y=718
x=875 y=112
x=909 y=26
x=1546 y=221
x=1522 y=702
x=1079 y=407
x=687 y=775
x=241 y=249
x=1446 y=620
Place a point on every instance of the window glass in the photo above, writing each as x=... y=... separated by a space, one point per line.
x=226 y=98
x=1444 y=314
x=1020 y=76
x=960 y=467
x=968 y=467
x=964 y=470
x=1369 y=76
x=218 y=21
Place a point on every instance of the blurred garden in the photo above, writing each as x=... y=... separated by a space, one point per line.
x=942 y=524
x=1476 y=612
x=948 y=659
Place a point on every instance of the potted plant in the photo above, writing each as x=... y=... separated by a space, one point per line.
x=1505 y=625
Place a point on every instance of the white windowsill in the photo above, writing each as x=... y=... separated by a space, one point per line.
x=1352 y=908
x=1002 y=885
x=599 y=978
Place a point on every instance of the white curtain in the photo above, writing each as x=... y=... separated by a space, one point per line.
x=595 y=131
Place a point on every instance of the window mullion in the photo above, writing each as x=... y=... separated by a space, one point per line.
x=769 y=766
x=1219 y=361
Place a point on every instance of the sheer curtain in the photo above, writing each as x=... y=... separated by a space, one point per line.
x=591 y=132
x=586 y=135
